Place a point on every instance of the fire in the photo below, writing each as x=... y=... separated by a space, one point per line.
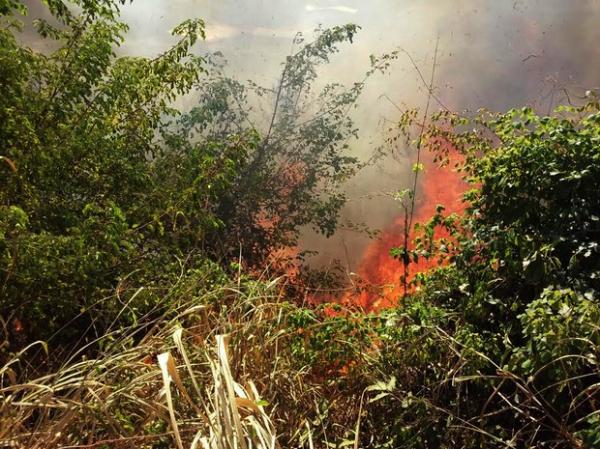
x=378 y=270
x=285 y=259
x=380 y=275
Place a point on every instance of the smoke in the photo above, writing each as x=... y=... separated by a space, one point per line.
x=493 y=54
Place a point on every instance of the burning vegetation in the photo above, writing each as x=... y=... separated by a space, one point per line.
x=153 y=285
x=387 y=278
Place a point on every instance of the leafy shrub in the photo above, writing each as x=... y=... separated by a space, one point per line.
x=520 y=291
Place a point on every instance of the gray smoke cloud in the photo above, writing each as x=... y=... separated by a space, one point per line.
x=496 y=54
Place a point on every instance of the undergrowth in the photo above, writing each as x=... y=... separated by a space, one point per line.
x=240 y=367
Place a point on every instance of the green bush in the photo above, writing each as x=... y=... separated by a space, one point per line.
x=94 y=203
x=516 y=361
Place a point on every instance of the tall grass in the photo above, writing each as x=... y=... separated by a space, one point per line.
x=241 y=368
x=215 y=373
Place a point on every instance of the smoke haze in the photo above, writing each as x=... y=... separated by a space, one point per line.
x=493 y=54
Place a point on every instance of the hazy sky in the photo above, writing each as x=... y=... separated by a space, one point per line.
x=518 y=46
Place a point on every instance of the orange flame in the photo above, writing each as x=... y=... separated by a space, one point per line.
x=283 y=260
x=382 y=274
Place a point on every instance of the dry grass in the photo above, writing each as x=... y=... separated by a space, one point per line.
x=233 y=415
x=220 y=372
x=217 y=374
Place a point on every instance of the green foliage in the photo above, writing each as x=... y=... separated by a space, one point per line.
x=8 y=7
x=106 y=187
x=560 y=324
x=93 y=202
x=293 y=177
x=518 y=338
